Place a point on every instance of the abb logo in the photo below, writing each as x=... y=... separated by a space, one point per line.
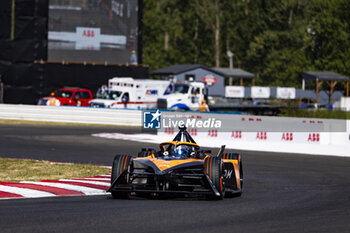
x=192 y=132
x=287 y=137
x=313 y=122
x=89 y=33
x=198 y=117
x=237 y=134
x=313 y=137
x=169 y=130
x=261 y=136
x=251 y=119
x=213 y=133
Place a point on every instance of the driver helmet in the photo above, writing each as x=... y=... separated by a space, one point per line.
x=181 y=151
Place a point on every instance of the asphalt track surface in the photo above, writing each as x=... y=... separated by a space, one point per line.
x=282 y=192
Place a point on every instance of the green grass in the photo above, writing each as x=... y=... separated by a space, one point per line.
x=19 y=122
x=15 y=170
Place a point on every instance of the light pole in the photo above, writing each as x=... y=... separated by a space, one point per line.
x=230 y=56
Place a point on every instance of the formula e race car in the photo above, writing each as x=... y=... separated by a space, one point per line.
x=180 y=167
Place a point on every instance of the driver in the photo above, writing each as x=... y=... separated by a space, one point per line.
x=184 y=151
x=179 y=151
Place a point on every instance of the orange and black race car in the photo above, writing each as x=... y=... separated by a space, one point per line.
x=180 y=167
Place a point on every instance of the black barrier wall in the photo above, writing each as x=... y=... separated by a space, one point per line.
x=24 y=48
x=23 y=34
x=23 y=39
x=26 y=83
x=5 y=19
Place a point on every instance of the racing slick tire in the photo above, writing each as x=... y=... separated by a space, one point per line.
x=213 y=167
x=121 y=163
x=142 y=154
x=238 y=157
x=145 y=152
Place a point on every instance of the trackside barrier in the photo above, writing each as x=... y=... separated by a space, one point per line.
x=71 y=114
x=264 y=133
x=257 y=133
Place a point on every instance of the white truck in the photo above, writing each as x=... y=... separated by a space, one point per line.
x=183 y=96
x=126 y=92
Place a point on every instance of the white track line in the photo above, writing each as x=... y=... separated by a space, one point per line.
x=88 y=182
x=97 y=179
x=25 y=192
x=82 y=189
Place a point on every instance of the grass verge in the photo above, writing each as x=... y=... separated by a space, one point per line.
x=15 y=170
x=28 y=122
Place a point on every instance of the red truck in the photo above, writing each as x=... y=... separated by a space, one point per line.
x=68 y=97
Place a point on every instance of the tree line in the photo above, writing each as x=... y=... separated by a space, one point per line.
x=275 y=40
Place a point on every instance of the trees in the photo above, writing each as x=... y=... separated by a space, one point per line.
x=162 y=26
x=330 y=31
x=210 y=11
x=278 y=53
x=276 y=40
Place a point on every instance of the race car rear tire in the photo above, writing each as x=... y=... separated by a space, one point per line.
x=238 y=157
x=213 y=169
x=142 y=154
x=145 y=152
x=121 y=163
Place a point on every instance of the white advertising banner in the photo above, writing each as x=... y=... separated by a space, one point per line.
x=285 y=93
x=260 y=92
x=234 y=91
x=88 y=38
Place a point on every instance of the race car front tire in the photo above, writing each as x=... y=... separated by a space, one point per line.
x=121 y=163
x=213 y=169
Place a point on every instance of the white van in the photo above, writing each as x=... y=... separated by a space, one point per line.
x=125 y=92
